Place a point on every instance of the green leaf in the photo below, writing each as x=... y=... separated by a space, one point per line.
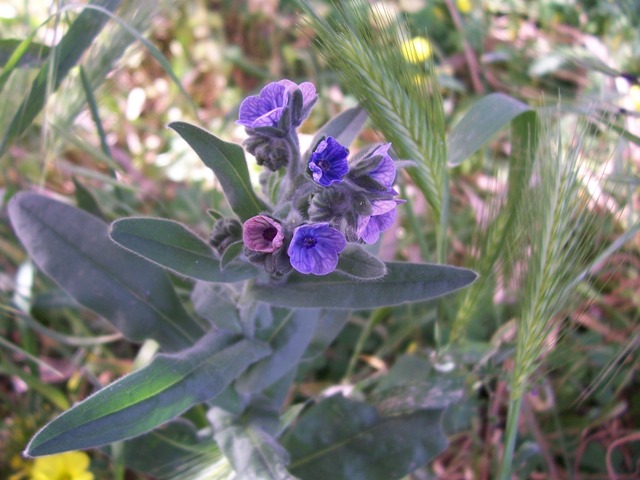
x=169 y=451
x=288 y=336
x=29 y=53
x=65 y=56
x=358 y=263
x=217 y=303
x=330 y=323
x=172 y=246
x=483 y=120
x=344 y=127
x=413 y=384
x=343 y=439
x=249 y=444
x=85 y=199
x=230 y=253
x=404 y=283
x=74 y=249
x=229 y=166
x=142 y=400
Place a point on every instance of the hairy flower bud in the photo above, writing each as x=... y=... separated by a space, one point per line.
x=328 y=205
x=225 y=232
x=276 y=263
x=274 y=152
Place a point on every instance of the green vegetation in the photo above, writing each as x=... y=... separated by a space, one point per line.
x=518 y=130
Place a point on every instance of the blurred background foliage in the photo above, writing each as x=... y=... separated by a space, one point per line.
x=101 y=142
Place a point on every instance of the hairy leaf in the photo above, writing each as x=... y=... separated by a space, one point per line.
x=328 y=326
x=342 y=439
x=249 y=444
x=74 y=249
x=288 y=337
x=228 y=164
x=170 y=451
x=171 y=245
x=142 y=400
x=358 y=263
x=403 y=283
x=483 y=120
x=344 y=127
x=217 y=303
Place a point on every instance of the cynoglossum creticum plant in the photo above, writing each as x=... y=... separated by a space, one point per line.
x=374 y=56
x=284 y=272
x=323 y=200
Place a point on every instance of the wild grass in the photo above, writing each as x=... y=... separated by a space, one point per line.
x=542 y=241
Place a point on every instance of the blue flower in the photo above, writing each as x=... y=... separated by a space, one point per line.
x=385 y=172
x=328 y=162
x=315 y=248
x=266 y=109
x=382 y=217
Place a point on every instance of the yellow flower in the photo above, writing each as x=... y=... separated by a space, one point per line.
x=464 y=6
x=416 y=50
x=634 y=93
x=63 y=466
x=19 y=465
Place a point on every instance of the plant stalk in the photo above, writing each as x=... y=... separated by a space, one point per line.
x=515 y=403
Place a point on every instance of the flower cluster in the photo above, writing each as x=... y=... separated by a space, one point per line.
x=325 y=198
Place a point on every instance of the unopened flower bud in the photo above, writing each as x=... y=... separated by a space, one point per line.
x=225 y=232
x=274 y=152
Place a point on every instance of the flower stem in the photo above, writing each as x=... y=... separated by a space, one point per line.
x=295 y=160
x=515 y=403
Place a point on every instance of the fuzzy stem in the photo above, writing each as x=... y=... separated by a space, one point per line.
x=511 y=432
x=294 y=161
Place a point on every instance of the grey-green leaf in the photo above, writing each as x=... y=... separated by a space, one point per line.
x=342 y=439
x=228 y=164
x=170 y=451
x=249 y=444
x=328 y=326
x=403 y=283
x=357 y=263
x=288 y=336
x=142 y=400
x=217 y=303
x=74 y=249
x=483 y=120
x=231 y=252
x=344 y=127
x=172 y=246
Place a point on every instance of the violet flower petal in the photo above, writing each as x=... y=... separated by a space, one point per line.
x=315 y=248
x=262 y=234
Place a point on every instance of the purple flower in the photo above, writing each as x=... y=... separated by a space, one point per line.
x=382 y=216
x=262 y=234
x=328 y=162
x=315 y=248
x=265 y=109
x=385 y=172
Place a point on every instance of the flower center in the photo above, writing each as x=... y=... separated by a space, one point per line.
x=324 y=165
x=309 y=242
x=269 y=233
